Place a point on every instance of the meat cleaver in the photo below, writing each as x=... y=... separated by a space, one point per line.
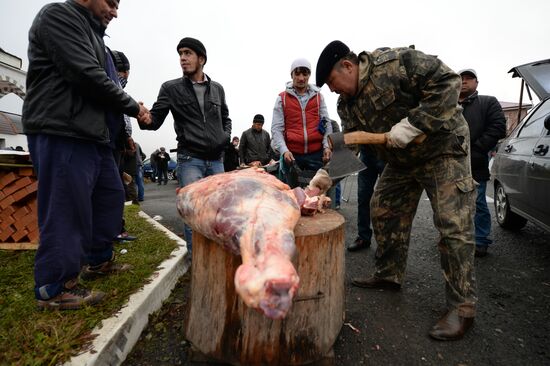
x=343 y=162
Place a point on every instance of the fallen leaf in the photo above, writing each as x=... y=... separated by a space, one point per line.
x=352 y=327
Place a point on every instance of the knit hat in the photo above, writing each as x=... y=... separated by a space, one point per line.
x=258 y=119
x=332 y=53
x=193 y=44
x=300 y=62
x=121 y=61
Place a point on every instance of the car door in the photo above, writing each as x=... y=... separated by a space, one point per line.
x=515 y=161
x=538 y=171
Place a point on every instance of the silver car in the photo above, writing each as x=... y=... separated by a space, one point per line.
x=521 y=169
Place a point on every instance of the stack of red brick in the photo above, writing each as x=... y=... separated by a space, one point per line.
x=18 y=212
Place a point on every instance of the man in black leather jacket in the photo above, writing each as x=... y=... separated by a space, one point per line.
x=72 y=115
x=201 y=117
x=487 y=125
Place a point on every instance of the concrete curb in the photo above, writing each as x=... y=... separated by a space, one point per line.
x=118 y=334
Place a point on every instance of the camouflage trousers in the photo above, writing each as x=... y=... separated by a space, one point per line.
x=451 y=190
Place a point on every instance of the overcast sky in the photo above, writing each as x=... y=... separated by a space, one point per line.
x=251 y=44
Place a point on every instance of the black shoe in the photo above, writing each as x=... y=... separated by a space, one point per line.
x=124 y=236
x=359 y=244
x=375 y=283
x=481 y=251
x=101 y=270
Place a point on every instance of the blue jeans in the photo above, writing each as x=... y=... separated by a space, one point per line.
x=366 y=180
x=482 y=219
x=190 y=170
x=338 y=194
x=306 y=163
x=80 y=205
x=139 y=182
x=311 y=161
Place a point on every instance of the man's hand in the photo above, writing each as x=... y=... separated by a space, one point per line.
x=144 y=116
x=255 y=164
x=289 y=158
x=401 y=134
x=131 y=145
x=327 y=154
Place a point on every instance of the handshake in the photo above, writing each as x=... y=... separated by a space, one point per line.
x=144 y=116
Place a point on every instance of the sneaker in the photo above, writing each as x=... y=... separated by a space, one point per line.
x=72 y=297
x=106 y=268
x=124 y=236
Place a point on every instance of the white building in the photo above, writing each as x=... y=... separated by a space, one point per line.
x=12 y=83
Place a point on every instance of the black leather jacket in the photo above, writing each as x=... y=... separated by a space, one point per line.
x=199 y=136
x=487 y=125
x=68 y=90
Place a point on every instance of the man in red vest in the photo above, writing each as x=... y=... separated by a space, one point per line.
x=300 y=122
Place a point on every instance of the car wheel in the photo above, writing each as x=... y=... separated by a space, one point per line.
x=171 y=175
x=505 y=217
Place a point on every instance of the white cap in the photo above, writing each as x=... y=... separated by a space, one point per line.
x=300 y=62
x=468 y=71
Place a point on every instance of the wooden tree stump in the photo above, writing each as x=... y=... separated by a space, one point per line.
x=222 y=328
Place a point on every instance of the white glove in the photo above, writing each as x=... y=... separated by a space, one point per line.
x=401 y=134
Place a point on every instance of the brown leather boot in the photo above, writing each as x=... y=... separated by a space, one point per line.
x=451 y=326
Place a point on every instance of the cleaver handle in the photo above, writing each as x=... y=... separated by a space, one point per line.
x=369 y=138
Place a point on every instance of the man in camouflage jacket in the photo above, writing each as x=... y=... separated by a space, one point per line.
x=403 y=95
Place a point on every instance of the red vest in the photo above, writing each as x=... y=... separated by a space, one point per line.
x=301 y=126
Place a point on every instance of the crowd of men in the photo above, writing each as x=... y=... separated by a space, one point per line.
x=407 y=98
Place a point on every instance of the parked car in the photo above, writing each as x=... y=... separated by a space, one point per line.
x=521 y=168
x=148 y=170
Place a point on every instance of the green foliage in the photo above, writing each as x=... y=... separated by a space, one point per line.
x=29 y=336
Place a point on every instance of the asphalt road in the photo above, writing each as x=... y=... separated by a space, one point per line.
x=512 y=326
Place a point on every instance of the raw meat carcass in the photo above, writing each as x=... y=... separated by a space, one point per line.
x=253 y=214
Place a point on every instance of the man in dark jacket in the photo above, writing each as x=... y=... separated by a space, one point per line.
x=80 y=193
x=487 y=125
x=254 y=148
x=231 y=155
x=162 y=158
x=153 y=162
x=201 y=117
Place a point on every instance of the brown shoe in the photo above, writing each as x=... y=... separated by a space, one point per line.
x=376 y=283
x=72 y=297
x=451 y=326
x=103 y=269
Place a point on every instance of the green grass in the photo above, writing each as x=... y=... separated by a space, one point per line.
x=32 y=337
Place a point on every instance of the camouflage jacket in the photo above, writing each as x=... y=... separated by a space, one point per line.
x=402 y=82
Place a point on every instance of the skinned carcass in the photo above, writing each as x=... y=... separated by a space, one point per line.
x=253 y=214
